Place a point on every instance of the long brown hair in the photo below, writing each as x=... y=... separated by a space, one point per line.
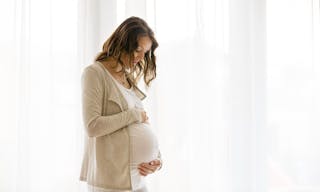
x=125 y=40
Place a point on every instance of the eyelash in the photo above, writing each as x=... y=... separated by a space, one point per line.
x=138 y=51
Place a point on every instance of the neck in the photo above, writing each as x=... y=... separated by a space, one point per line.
x=114 y=65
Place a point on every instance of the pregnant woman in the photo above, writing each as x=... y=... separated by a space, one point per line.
x=120 y=148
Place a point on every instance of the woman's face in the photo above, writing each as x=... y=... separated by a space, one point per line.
x=144 y=45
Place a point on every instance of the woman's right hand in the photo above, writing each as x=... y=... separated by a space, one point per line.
x=144 y=116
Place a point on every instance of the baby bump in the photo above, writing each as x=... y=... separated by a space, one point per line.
x=143 y=143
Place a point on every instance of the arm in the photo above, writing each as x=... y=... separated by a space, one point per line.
x=92 y=96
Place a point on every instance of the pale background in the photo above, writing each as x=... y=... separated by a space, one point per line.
x=236 y=103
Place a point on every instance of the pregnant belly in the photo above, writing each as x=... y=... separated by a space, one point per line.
x=143 y=143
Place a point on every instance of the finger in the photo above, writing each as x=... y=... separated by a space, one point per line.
x=150 y=164
x=142 y=172
x=147 y=168
x=155 y=162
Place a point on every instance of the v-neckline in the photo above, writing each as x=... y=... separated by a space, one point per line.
x=141 y=95
x=114 y=79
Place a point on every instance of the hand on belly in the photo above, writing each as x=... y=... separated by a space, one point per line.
x=149 y=168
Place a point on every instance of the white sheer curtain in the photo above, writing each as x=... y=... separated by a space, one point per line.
x=236 y=101
x=211 y=95
x=40 y=111
x=293 y=94
x=235 y=104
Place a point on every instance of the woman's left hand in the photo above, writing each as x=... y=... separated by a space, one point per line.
x=150 y=167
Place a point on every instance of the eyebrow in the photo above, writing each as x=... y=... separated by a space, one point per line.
x=144 y=49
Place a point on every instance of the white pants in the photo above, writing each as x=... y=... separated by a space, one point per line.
x=97 y=189
x=143 y=189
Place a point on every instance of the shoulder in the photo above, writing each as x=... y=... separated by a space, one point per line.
x=93 y=74
x=96 y=74
x=94 y=68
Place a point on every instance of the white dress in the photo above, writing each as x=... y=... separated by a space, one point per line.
x=143 y=144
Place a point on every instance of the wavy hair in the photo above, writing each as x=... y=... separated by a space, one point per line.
x=125 y=40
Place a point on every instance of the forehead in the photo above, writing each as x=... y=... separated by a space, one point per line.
x=145 y=42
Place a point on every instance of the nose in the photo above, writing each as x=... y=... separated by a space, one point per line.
x=140 y=56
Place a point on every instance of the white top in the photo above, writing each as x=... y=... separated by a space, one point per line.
x=143 y=142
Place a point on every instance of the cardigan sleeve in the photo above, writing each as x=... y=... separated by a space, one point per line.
x=95 y=124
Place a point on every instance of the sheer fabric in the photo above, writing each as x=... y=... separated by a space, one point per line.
x=235 y=104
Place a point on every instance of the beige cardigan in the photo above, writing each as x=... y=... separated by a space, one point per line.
x=106 y=116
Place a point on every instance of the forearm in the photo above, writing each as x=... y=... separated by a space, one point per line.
x=103 y=125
